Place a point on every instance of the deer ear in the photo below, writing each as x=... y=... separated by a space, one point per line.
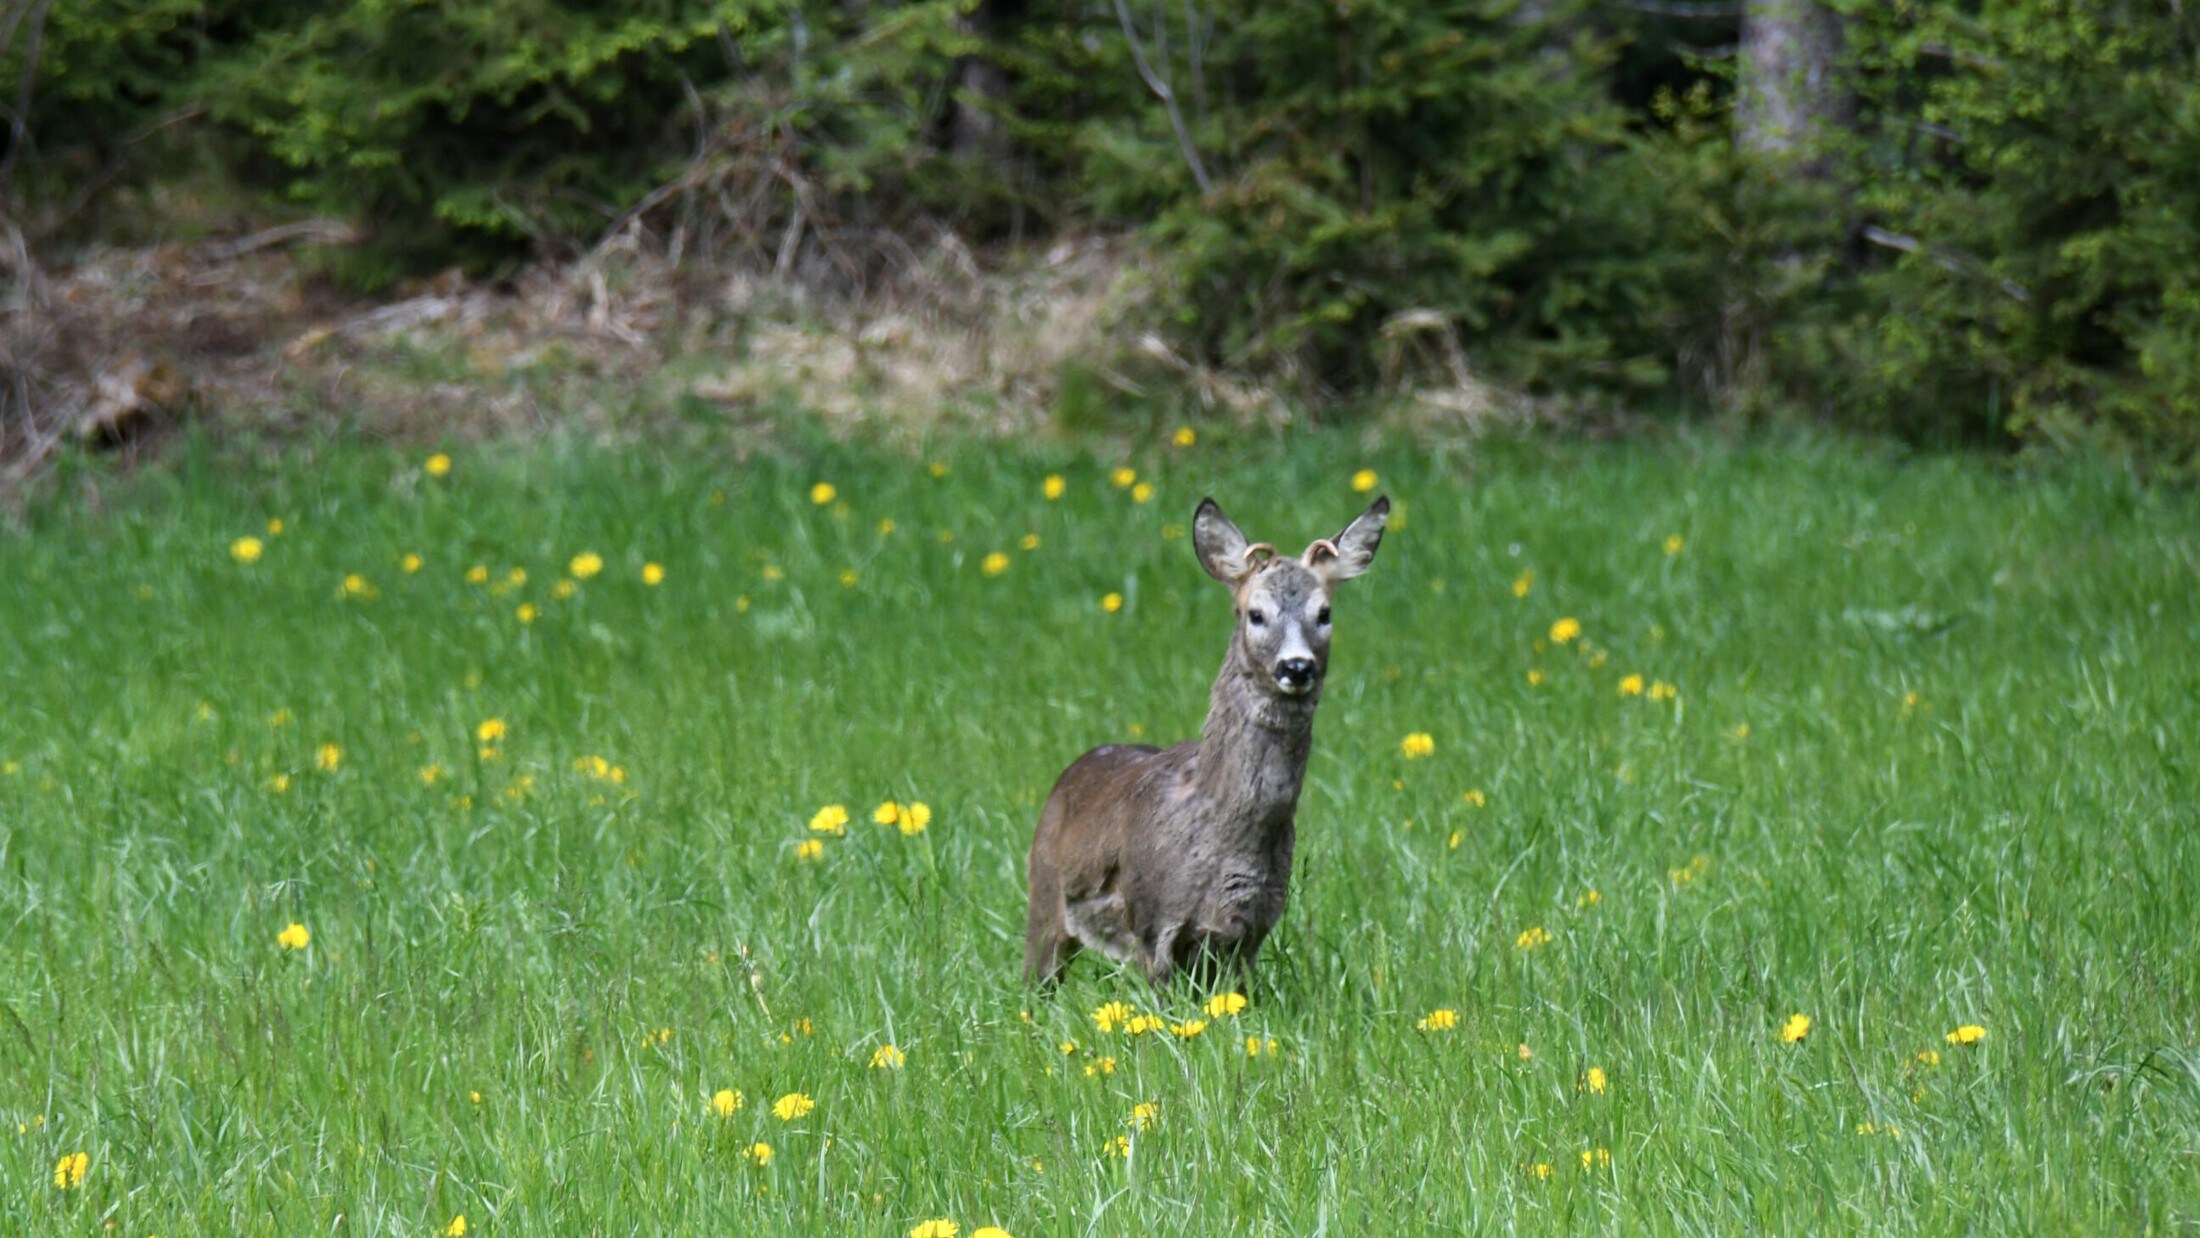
x=1347 y=555
x=1219 y=544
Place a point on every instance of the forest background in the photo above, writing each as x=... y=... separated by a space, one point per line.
x=1956 y=223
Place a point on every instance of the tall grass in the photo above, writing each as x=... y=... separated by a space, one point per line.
x=1927 y=763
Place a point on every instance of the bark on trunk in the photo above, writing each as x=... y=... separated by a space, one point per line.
x=1794 y=100
x=975 y=130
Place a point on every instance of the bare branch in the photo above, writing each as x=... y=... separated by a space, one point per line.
x=1946 y=259
x=1693 y=12
x=1167 y=96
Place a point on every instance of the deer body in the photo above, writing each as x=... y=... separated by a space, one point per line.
x=1177 y=856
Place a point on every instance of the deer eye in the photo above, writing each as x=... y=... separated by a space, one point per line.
x=1256 y=617
x=1323 y=618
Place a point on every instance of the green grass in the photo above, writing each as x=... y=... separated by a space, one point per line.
x=1930 y=764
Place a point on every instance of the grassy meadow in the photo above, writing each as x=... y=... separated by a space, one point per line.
x=1716 y=736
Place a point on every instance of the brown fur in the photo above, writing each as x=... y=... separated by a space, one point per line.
x=1171 y=857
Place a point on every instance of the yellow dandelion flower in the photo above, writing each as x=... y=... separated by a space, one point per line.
x=409 y=564
x=526 y=612
x=887 y=813
x=995 y=1231
x=1140 y=1024
x=939 y=1227
x=1673 y=544
x=1222 y=1004
x=1185 y=436
x=1100 y=1066
x=279 y=783
x=823 y=493
x=886 y=526
x=1968 y=1034
x=848 y=578
x=725 y=1102
x=294 y=938
x=1255 y=1046
x=1795 y=1029
x=831 y=819
x=1541 y=1169
x=1457 y=837
x=791 y=1106
x=1524 y=1053
x=1594 y=1081
x=68 y=1172
x=1189 y=1028
x=1120 y=1146
x=1052 y=487
x=1523 y=583
x=1123 y=479
x=429 y=774
x=1565 y=630
x=245 y=550
x=1595 y=1158
x=773 y=571
x=478 y=574
x=1663 y=691
x=1107 y=1016
x=1535 y=679
x=275 y=526
x=438 y=465
x=1067 y=1047
x=811 y=849
x=1928 y=1057
x=1531 y=937
x=1589 y=898
x=327 y=757
x=1364 y=480
x=1442 y=1020
x=886 y=1057
x=457 y=1227
x=1418 y=744
x=1143 y=1116
x=1142 y=492
x=564 y=589
x=1631 y=686
x=759 y=1153
x=995 y=563
x=490 y=731
x=1030 y=542
x=585 y=564
x=1111 y=602
x=516 y=577
x=653 y=574
x=914 y=818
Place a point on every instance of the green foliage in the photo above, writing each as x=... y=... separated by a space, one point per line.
x=2038 y=158
x=2008 y=251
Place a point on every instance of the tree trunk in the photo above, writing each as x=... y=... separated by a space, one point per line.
x=1793 y=100
x=975 y=130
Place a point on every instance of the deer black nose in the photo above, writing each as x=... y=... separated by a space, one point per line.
x=1295 y=672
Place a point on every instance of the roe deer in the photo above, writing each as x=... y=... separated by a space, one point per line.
x=1180 y=857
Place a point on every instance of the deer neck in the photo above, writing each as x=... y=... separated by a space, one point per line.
x=1253 y=750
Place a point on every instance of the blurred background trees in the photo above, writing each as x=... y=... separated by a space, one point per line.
x=1950 y=220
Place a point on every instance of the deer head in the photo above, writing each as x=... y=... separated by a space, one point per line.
x=1282 y=638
